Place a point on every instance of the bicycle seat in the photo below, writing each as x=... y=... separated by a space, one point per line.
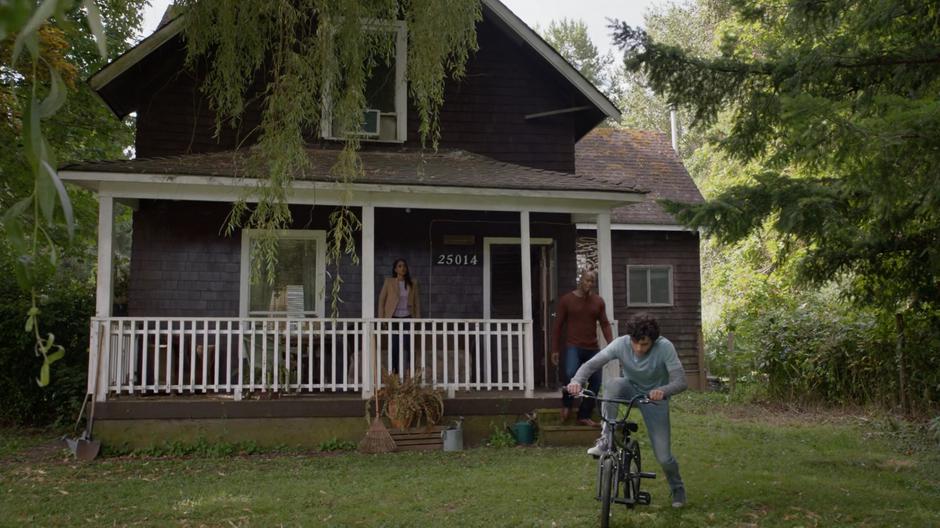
x=631 y=426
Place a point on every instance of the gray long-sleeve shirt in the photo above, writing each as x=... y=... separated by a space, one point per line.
x=657 y=369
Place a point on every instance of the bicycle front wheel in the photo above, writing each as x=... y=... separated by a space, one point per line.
x=608 y=474
x=632 y=473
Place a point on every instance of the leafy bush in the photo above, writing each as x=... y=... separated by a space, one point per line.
x=933 y=428
x=825 y=350
x=66 y=307
x=201 y=448
x=500 y=437
x=335 y=444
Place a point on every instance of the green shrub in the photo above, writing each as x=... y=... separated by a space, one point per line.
x=500 y=437
x=201 y=448
x=824 y=350
x=933 y=428
x=335 y=444
x=66 y=309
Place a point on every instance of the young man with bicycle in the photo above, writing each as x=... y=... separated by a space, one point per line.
x=650 y=366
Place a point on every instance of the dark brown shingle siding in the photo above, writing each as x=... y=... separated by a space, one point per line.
x=681 y=322
x=182 y=267
x=483 y=113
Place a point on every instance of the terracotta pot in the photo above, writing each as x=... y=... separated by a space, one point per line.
x=396 y=422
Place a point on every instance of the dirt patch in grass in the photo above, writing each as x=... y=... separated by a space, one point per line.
x=896 y=464
x=35 y=451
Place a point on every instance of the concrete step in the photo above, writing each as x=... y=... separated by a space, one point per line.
x=567 y=435
x=554 y=432
x=549 y=416
x=552 y=416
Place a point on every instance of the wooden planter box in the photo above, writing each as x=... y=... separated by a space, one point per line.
x=419 y=438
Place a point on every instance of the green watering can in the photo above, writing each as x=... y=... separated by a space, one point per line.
x=523 y=432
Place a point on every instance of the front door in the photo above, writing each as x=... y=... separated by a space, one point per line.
x=503 y=260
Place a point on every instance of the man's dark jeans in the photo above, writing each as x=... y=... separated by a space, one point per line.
x=574 y=358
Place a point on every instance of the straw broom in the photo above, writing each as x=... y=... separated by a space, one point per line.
x=377 y=439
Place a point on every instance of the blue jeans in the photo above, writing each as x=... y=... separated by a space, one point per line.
x=400 y=333
x=574 y=358
x=656 y=418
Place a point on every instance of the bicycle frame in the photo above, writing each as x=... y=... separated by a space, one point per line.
x=622 y=462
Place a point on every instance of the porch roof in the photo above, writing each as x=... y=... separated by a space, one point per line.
x=450 y=168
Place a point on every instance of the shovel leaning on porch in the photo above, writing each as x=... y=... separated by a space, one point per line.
x=84 y=447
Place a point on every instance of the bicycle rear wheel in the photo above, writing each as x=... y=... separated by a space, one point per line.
x=608 y=474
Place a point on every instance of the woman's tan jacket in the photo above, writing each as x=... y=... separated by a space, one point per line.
x=388 y=298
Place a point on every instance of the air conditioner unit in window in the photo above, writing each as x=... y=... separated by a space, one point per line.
x=371 y=119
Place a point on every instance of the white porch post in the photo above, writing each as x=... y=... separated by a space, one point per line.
x=99 y=352
x=105 y=272
x=525 y=246
x=605 y=280
x=368 y=298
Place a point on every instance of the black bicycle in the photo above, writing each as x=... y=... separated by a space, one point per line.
x=619 y=470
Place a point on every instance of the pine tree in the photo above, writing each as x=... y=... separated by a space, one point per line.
x=837 y=102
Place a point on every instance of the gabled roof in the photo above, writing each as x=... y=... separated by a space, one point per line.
x=445 y=168
x=639 y=159
x=516 y=27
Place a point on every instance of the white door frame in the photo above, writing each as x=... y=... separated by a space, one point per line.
x=501 y=241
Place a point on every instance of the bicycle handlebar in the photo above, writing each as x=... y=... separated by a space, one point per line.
x=639 y=398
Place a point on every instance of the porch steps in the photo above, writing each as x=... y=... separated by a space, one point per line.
x=418 y=439
x=554 y=433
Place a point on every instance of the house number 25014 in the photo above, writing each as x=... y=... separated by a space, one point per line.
x=457 y=259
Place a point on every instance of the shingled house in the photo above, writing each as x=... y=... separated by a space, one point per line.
x=489 y=225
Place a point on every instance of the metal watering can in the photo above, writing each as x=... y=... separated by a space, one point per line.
x=523 y=431
x=453 y=436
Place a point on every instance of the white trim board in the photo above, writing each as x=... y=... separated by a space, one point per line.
x=636 y=227
x=551 y=56
x=670 y=282
x=115 y=68
x=401 y=86
x=126 y=61
x=227 y=189
x=501 y=241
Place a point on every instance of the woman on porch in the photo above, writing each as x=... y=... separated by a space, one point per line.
x=400 y=298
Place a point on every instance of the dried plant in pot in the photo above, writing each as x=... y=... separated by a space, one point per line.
x=409 y=402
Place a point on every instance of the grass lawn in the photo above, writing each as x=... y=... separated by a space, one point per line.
x=743 y=466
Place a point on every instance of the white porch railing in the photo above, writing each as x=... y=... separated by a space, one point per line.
x=237 y=357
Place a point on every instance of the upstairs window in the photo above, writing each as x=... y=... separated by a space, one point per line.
x=649 y=286
x=385 y=117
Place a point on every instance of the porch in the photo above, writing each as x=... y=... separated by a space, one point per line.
x=497 y=240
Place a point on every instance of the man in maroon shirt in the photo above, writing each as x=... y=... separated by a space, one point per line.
x=578 y=313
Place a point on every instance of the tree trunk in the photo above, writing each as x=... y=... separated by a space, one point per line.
x=902 y=364
x=734 y=364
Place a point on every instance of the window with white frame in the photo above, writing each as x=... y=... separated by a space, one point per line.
x=298 y=287
x=385 y=117
x=649 y=285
